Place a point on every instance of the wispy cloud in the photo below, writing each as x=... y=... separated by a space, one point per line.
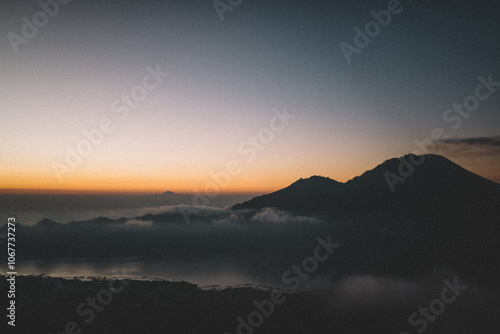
x=272 y=215
x=136 y=222
x=477 y=141
x=471 y=146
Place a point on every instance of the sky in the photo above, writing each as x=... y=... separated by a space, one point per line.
x=127 y=96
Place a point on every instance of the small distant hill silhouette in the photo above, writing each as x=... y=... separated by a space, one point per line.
x=47 y=223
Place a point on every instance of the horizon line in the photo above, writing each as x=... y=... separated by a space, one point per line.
x=37 y=191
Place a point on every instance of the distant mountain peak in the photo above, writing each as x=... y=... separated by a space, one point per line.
x=168 y=192
x=171 y=193
x=316 y=179
x=46 y=222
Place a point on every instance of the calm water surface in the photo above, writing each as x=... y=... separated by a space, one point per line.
x=205 y=273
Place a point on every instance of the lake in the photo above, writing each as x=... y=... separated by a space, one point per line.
x=204 y=272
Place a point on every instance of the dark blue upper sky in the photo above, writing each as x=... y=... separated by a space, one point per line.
x=226 y=76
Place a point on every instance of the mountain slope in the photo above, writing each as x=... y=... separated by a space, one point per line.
x=435 y=187
x=440 y=215
x=304 y=195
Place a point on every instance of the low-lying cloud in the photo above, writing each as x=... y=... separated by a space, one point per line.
x=199 y=210
x=275 y=216
x=137 y=222
x=385 y=304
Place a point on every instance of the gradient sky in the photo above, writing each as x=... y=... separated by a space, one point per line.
x=226 y=78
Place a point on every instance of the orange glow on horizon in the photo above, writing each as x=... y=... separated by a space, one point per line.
x=106 y=184
x=260 y=180
x=263 y=177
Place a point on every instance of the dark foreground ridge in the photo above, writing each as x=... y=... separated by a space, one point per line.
x=49 y=305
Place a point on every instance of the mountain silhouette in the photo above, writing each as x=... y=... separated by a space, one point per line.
x=436 y=187
x=441 y=214
x=47 y=223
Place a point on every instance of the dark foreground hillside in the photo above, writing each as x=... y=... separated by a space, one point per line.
x=49 y=305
